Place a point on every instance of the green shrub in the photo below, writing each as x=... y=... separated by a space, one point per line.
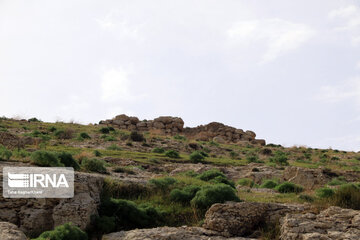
x=136 y=136
x=325 y=192
x=347 y=196
x=84 y=135
x=114 y=147
x=158 y=150
x=306 y=198
x=224 y=180
x=46 y=159
x=128 y=215
x=123 y=170
x=110 y=138
x=280 y=158
x=105 y=224
x=62 y=232
x=64 y=134
x=93 y=165
x=5 y=154
x=20 y=153
x=162 y=184
x=196 y=157
x=33 y=120
x=208 y=195
x=337 y=181
x=269 y=184
x=68 y=160
x=172 y=154
x=52 y=129
x=111 y=129
x=233 y=154
x=288 y=187
x=104 y=130
x=210 y=174
x=251 y=158
x=97 y=153
x=247 y=182
x=179 y=137
x=184 y=195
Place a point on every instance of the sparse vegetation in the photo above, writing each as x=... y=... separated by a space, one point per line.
x=172 y=154
x=67 y=231
x=93 y=165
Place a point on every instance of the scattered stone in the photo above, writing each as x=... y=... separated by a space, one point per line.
x=333 y=223
x=169 y=233
x=9 y=231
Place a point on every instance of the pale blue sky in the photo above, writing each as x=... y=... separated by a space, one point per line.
x=288 y=70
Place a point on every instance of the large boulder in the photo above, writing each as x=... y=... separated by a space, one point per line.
x=35 y=215
x=333 y=223
x=169 y=233
x=9 y=231
x=241 y=219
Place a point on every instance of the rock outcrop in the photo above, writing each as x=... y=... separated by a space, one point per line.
x=308 y=178
x=9 y=231
x=173 y=125
x=167 y=233
x=333 y=223
x=12 y=141
x=38 y=215
x=241 y=219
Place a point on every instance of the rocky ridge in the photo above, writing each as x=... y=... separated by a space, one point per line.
x=173 y=125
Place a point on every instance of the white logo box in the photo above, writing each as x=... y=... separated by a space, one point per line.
x=38 y=182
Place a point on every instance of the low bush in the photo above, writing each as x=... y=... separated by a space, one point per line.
x=179 y=137
x=33 y=120
x=251 y=158
x=62 y=232
x=84 y=135
x=246 y=182
x=347 y=196
x=337 y=181
x=68 y=160
x=105 y=224
x=325 y=192
x=208 y=195
x=162 y=184
x=97 y=153
x=280 y=158
x=128 y=215
x=197 y=157
x=46 y=159
x=210 y=174
x=224 y=180
x=306 y=198
x=114 y=147
x=184 y=195
x=117 y=189
x=93 y=165
x=123 y=170
x=172 y=154
x=104 y=130
x=288 y=187
x=5 y=154
x=158 y=150
x=64 y=134
x=136 y=136
x=269 y=184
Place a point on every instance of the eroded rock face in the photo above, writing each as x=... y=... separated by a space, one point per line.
x=38 y=215
x=241 y=219
x=333 y=223
x=9 y=231
x=308 y=178
x=167 y=233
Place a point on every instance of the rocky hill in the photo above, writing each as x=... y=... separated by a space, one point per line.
x=157 y=179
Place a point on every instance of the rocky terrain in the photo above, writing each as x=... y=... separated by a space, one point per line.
x=156 y=179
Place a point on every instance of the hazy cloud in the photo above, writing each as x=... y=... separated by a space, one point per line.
x=115 y=85
x=349 y=90
x=279 y=36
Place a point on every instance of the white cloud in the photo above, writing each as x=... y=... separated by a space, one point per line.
x=349 y=90
x=280 y=36
x=351 y=17
x=358 y=65
x=115 y=23
x=115 y=85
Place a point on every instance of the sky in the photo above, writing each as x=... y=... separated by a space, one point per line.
x=288 y=70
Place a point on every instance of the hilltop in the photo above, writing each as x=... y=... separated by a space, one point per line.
x=160 y=175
